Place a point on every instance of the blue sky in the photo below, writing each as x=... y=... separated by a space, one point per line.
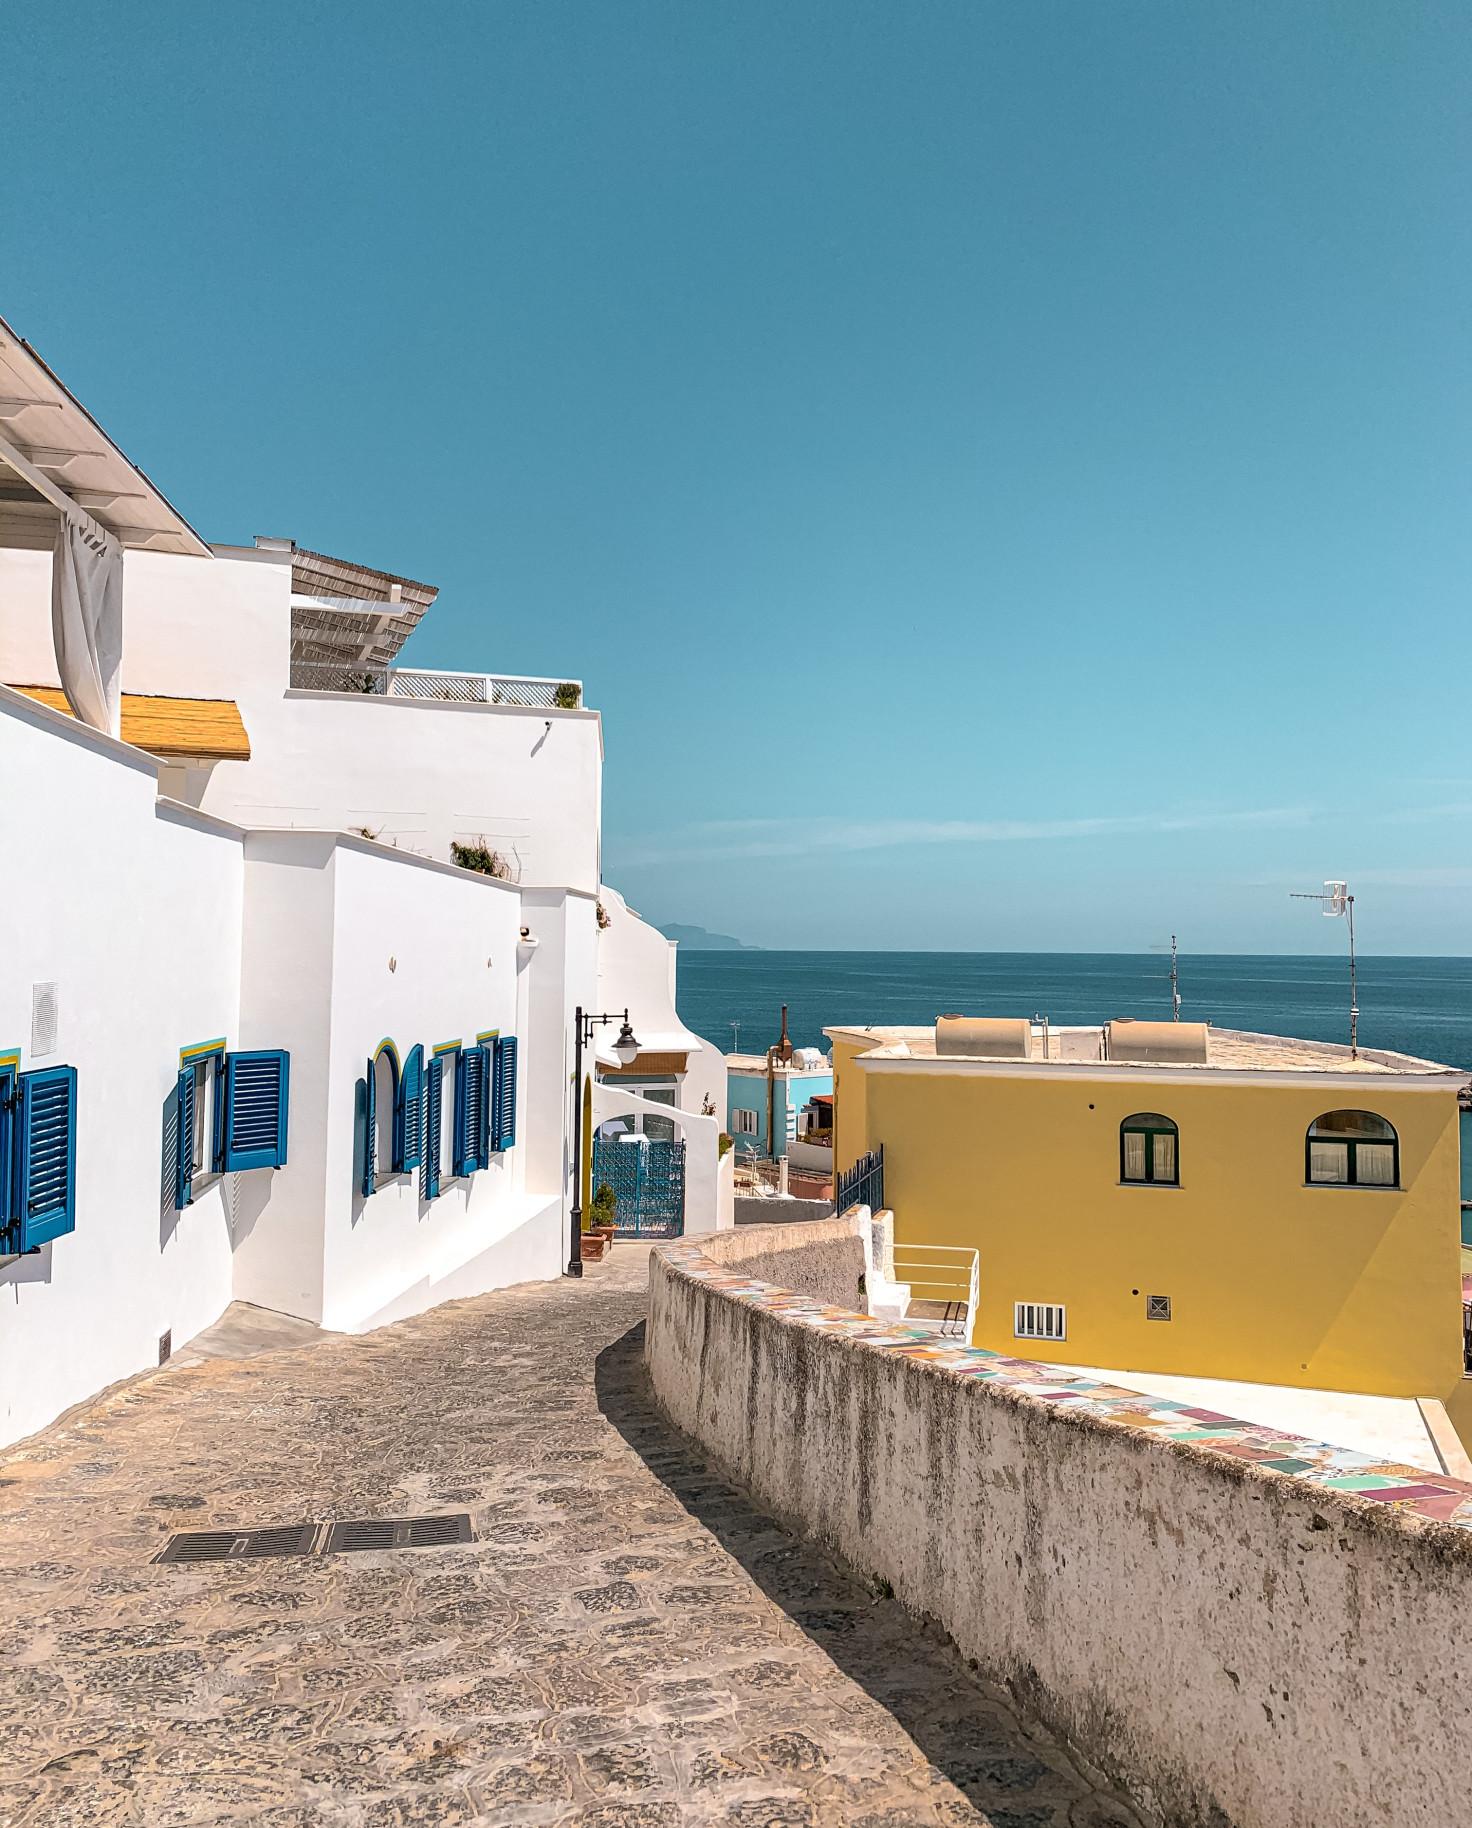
x=1001 y=471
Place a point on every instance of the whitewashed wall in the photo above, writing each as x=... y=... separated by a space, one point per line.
x=132 y=909
x=414 y=771
x=325 y=915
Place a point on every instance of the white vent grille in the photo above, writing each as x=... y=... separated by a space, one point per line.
x=1040 y=1320
x=44 y=1019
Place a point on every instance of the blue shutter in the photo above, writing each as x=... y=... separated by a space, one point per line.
x=9 y=1105
x=184 y=1140
x=487 y=1114
x=411 y=1110
x=255 y=1109
x=363 y=1116
x=434 y=1096
x=46 y=1156
x=470 y=1110
x=504 y=1123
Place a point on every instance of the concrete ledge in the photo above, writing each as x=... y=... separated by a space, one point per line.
x=752 y=1209
x=1231 y=1643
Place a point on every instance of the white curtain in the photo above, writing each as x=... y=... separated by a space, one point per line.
x=87 y=619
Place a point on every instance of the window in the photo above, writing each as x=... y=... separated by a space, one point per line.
x=38 y=1147
x=1148 y=1151
x=379 y=1118
x=1039 y=1320
x=1352 y=1149
x=230 y=1114
x=743 y=1123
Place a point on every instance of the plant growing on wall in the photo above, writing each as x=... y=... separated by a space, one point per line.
x=567 y=696
x=725 y=1143
x=477 y=857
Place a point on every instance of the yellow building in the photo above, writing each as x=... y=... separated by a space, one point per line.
x=1179 y=1199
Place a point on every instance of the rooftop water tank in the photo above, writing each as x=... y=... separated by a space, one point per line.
x=985 y=1037
x=1169 y=1043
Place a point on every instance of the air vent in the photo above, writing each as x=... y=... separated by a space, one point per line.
x=241 y=1545
x=1039 y=1320
x=362 y=1533
x=1157 y=1307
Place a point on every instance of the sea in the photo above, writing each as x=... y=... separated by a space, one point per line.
x=1420 y=1006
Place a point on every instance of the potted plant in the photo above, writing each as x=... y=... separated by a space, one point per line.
x=603 y=1213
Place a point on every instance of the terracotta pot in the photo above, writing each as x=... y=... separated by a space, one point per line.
x=609 y=1232
x=592 y=1247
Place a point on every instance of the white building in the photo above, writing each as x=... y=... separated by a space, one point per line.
x=261 y=1038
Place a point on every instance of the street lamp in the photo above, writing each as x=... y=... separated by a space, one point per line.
x=626 y=1051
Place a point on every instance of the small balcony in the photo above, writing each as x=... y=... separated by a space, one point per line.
x=450 y=688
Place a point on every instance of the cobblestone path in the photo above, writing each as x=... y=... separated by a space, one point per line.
x=628 y=1644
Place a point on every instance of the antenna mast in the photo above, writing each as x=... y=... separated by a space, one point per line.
x=1175 y=995
x=1336 y=899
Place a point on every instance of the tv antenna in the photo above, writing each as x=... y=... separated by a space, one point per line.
x=1336 y=899
x=1175 y=993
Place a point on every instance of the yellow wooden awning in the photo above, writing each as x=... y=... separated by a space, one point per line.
x=209 y=728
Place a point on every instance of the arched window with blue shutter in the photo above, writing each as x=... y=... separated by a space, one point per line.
x=409 y=1132
x=381 y=1114
x=503 y=1127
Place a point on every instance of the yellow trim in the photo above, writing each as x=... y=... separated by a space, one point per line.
x=491 y=1034
x=11 y=1059
x=388 y=1042
x=201 y=1050
x=446 y=1047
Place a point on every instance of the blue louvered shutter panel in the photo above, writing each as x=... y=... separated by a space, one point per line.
x=471 y=1110
x=434 y=1097
x=9 y=1106
x=487 y=1107
x=184 y=1140
x=256 y=1097
x=363 y=1117
x=505 y=1120
x=458 y=1164
x=46 y=1155
x=411 y=1110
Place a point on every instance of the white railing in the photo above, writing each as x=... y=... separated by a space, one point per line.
x=448 y=688
x=944 y=1281
x=484 y=688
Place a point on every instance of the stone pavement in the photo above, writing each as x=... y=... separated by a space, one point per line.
x=629 y=1643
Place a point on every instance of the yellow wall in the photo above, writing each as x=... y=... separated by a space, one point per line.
x=1270 y=1281
x=848 y=1099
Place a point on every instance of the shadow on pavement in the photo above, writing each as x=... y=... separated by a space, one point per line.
x=906 y=1664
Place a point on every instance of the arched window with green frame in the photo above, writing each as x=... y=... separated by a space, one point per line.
x=1148 y=1150
x=1351 y=1149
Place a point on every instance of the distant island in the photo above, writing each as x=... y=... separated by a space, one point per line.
x=698 y=940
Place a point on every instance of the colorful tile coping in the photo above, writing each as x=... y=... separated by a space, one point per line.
x=1433 y=1496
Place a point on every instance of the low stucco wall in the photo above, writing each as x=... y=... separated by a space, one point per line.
x=1236 y=1647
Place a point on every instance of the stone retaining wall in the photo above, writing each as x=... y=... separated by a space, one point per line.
x=1237 y=1646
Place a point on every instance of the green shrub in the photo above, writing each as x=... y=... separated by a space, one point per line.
x=568 y=696
x=477 y=857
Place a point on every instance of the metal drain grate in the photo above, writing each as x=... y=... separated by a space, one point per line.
x=361 y=1533
x=345 y=1538
x=241 y=1545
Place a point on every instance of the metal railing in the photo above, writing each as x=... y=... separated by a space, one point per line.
x=945 y=1283
x=1467 y=1338
x=449 y=688
x=863 y=1184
